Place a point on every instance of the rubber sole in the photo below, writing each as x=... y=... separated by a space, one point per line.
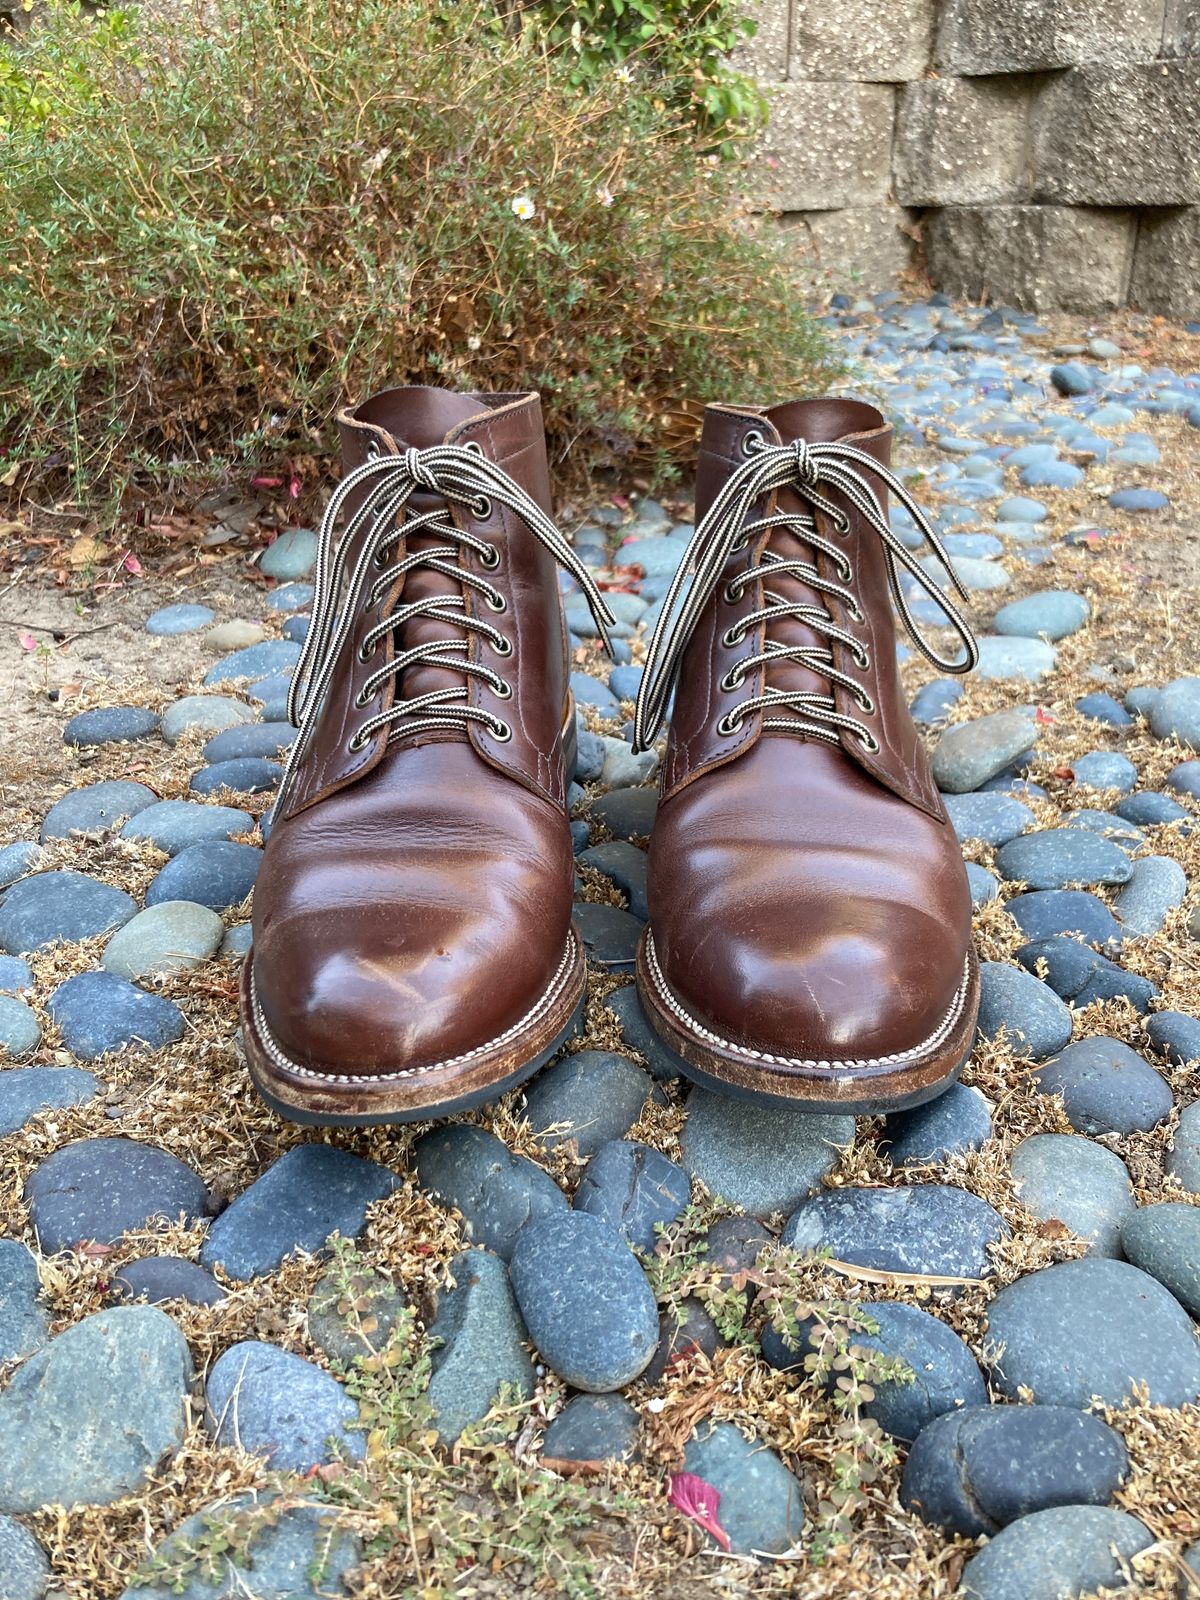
x=857 y=1088
x=307 y=1094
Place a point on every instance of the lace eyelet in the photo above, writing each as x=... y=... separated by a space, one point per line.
x=482 y=509
x=752 y=442
x=732 y=594
x=732 y=681
x=732 y=637
x=365 y=654
x=502 y=646
x=373 y=450
x=862 y=660
x=841 y=524
x=502 y=690
x=870 y=744
x=501 y=732
x=489 y=559
x=498 y=605
x=865 y=704
x=362 y=699
x=474 y=446
x=729 y=725
x=382 y=557
x=357 y=744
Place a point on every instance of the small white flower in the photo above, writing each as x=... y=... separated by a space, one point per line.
x=624 y=74
x=604 y=195
x=474 y=342
x=522 y=207
x=656 y=1405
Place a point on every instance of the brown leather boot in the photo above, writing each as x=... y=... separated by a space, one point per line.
x=810 y=921
x=413 y=949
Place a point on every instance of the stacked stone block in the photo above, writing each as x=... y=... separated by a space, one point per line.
x=1046 y=152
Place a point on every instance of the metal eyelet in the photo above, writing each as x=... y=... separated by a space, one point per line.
x=732 y=637
x=483 y=509
x=373 y=450
x=382 y=557
x=365 y=654
x=489 y=558
x=501 y=732
x=841 y=524
x=856 y=615
x=729 y=725
x=357 y=744
x=865 y=704
x=733 y=680
x=752 y=442
x=362 y=699
x=733 y=593
x=502 y=646
x=499 y=604
x=870 y=744
x=861 y=659
x=474 y=446
x=502 y=690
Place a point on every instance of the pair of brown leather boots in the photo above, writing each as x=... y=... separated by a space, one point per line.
x=809 y=939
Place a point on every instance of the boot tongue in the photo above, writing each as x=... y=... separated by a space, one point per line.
x=418 y=419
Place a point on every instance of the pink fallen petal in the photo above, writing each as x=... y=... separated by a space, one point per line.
x=699 y=1501
x=295 y=485
x=131 y=563
x=267 y=483
x=27 y=641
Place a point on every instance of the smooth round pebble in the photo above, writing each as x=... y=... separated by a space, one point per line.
x=170 y=621
x=1049 y=1555
x=1070 y=1179
x=250 y=775
x=1183 y=1157
x=111 y=725
x=1175 y=712
x=496 y=1192
x=1164 y=1240
x=173 y=825
x=217 y=873
x=250 y=741
x=291 y=555
x=20 y=1030
x=958 y=1120
x=1035 y=1021
x=1157 y=885
x=274 y=1404
x=635 y=1189
x=1049 y=614
x=993 y=818
x=1044 y=913
x=589 y=1097
x=1175 y=1035
x=98 y=1013
x=1058 y=858
x=96 y=808
x=479 y=1345
x=1106 y=1087
x=1105 y=769
x=759 y=1157
x=592 y=1427
x=207 y=712
x=172 y=936
x=161 y=1278
x=926 y=1228
x=25 y=1092
x=761 y=1506
x=99 y=1189
x=970 y=753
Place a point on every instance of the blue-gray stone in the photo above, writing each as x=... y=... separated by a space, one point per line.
x=173 y=825
x=291 y=597
x=590 y=1098
x=172 y=620
x=271 y=1403
x=757 y=1156
x=1080 y=975
x=1092 y=1327
x=16 y=859
x=1042 y=913
x=1185 y=778
x=635 y=1189
x=260 y=740
x=99 y=1189
x=1138 y=499
x=310 y=1193
x=658 y=558
x=1108 y=824
x=255 y=662
x=1076 y=1181
x=928 y=1228
x=1104 y=708
x=976 y=1470
x=270 y=1548
x=589 y=754
x=685 y=1330
x=20 y=1032
x=992 y=818
x=92 y=1414
x=637 y=1033
x=1164 y=1240
x=1023 y=660
x=1106 y=1087
x=237 y=941
x=216 y=873
x=969 y=753
x=26 y=1091
x=496 y=1192
x=1175 y=712
x=111 y=725
x=610 y=935
x=933 y=702
x=625 y=865
x=1140 y=700
x=945 y=1375
x=1052 y=475
x=24 y=1322
x=161 y=1278
x=625 y=681
x=16 y=975
x=592 y=1427
x=173 y=936
x=208 y=712
x=296 y=629
x=1057 y=858
x=1157 y=886
x=1149 y=809
x=628 y=813
x=1183 y=1157
x=1066 y=1551
x=586 y=1302
x=23 y=1562
x=761 y=1504
x=291 y=555
x=270 y=692
x=958 y=1120
x=480 y=1344
x=1175 y=1035
x=591 y=692
x=1105 y=769
x=1071 y=378
x=984 y=885
x=1035 y=1021
x=250 y=775
x=98 y=1012
x=1049 y=614
x=59 y=907
x=96 y=808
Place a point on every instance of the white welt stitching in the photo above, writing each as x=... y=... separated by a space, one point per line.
x=940 y=1033
x=557 y=984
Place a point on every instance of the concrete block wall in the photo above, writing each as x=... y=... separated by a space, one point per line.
x=1045 y=153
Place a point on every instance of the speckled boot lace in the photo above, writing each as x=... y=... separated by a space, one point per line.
x=803 y=468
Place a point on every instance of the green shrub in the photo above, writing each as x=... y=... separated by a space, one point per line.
x=218 y=226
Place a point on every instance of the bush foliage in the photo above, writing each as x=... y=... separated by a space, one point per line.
x=218 y=227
